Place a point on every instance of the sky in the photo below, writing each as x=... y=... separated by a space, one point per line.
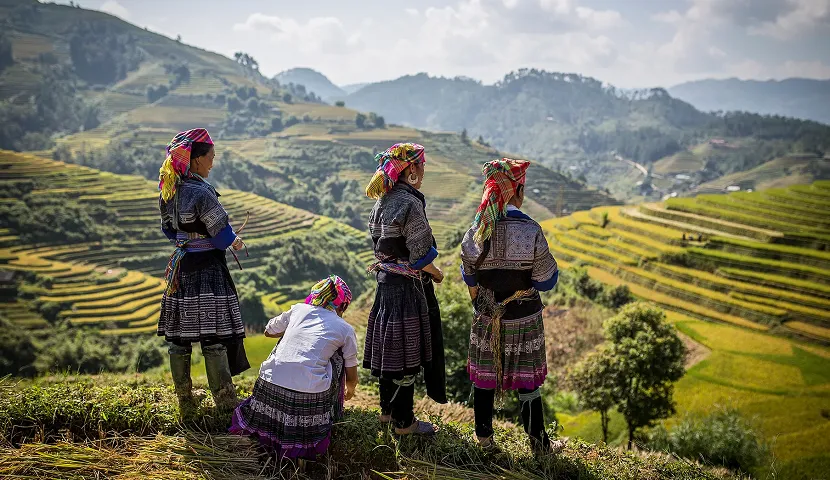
x=627 y=43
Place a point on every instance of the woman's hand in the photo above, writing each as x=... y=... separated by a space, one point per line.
x=238 y=244
x=437 y=274
x=349 y=392
x=473 y=292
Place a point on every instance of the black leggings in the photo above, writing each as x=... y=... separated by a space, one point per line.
x=402 y=407
x=533 y=415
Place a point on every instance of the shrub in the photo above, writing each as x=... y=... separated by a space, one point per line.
x=17 y=351
x=616 y=297
x=722 y=438
x=340 y=104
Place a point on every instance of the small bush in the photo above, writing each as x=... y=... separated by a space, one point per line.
x=616 y=297
x=722 y=438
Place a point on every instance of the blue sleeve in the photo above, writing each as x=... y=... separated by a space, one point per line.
x=470 y=280
x=547 y=284
x=431 y=255
x=169 y=233
x=224 y=238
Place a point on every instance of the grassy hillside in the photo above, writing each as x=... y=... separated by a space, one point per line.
x=130 y=425
x=760 y=271
x=113 y=284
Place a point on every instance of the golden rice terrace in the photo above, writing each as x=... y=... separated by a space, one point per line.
x=760 y=260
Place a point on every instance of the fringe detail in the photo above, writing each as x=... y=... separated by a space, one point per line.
x=171 y=273
x=496 y=310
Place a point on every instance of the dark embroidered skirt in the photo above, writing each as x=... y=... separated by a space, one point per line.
x=524 y=364
x=398 y=336
x=205 y=306
x=292 y=424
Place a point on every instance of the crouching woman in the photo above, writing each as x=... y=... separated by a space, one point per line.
x=303 y=384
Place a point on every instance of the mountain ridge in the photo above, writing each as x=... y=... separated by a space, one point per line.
x=793 y=97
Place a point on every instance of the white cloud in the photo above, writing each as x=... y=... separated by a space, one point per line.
x=318 y=35
x=804 y=17
x=412 y=12
x=671 y=17
x=809 y=69
x=114 y=8
x=599 y=19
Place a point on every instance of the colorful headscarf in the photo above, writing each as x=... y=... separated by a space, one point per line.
x=501 y=180
x=177 y=163
x=330 y=292
x=390 y=165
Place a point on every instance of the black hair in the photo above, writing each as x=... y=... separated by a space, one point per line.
x=199 y=149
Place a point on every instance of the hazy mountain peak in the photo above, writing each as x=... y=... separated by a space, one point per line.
x=313 y=80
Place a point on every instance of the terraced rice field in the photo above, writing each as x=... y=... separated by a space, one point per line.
x=115 y=286
x=757 y=294
x=762 y=261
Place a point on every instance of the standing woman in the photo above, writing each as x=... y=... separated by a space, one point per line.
x=400 y=339
x=200 y=303
x=506 y=263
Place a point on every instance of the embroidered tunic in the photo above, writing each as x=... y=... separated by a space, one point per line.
x=515 y=259
x=399 y=337
x=205 y=306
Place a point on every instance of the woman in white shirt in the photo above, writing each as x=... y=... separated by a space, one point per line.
x=304 y=382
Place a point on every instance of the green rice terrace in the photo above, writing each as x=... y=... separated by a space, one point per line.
x=115 y=284
x=745 y=275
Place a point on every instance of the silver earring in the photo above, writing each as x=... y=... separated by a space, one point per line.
x=412 y=179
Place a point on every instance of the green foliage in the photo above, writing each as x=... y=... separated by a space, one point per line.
x=593 y=380
x=721 y=438
x=6 y=59
x=616 y=297
x=54 y=106
x=340 y=103
x=360 y=120
x=456 y=315
x=56 y=219
x=156 y=92
x=102 y=55
x=586 y=286
x=647 y=357
x=250 y=306
x=17 y=350
x=82 y=352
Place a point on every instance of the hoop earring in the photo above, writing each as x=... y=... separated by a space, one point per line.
x=412 y=179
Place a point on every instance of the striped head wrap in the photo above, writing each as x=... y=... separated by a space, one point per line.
x=330 y=292
x=501 y=180
x=390 y=165
x=177 y=163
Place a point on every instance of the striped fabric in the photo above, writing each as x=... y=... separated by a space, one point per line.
x=330 y=292
x=291 y=423
x=523 y=353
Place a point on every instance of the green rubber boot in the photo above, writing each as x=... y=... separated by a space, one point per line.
x=219 y=376
x=180 y=370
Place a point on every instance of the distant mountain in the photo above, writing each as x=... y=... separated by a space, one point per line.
x=313 y=80
x=353 y=87
x=587 y=128
x=793 y=97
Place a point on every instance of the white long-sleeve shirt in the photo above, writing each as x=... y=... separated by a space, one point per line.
x=301 y=359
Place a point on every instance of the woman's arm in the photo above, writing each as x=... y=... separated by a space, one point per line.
x=351 y=382
x=437 y=274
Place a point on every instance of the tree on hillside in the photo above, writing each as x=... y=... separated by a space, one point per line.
x=286 y=98
x=593 y=380
x=340 y=103
x=360 y=120
x=647 y=357
x=464 y=138
x=246 y=61
x=6 y=58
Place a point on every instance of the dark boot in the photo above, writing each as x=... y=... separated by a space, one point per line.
x=180 y=370
x=219 y=376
